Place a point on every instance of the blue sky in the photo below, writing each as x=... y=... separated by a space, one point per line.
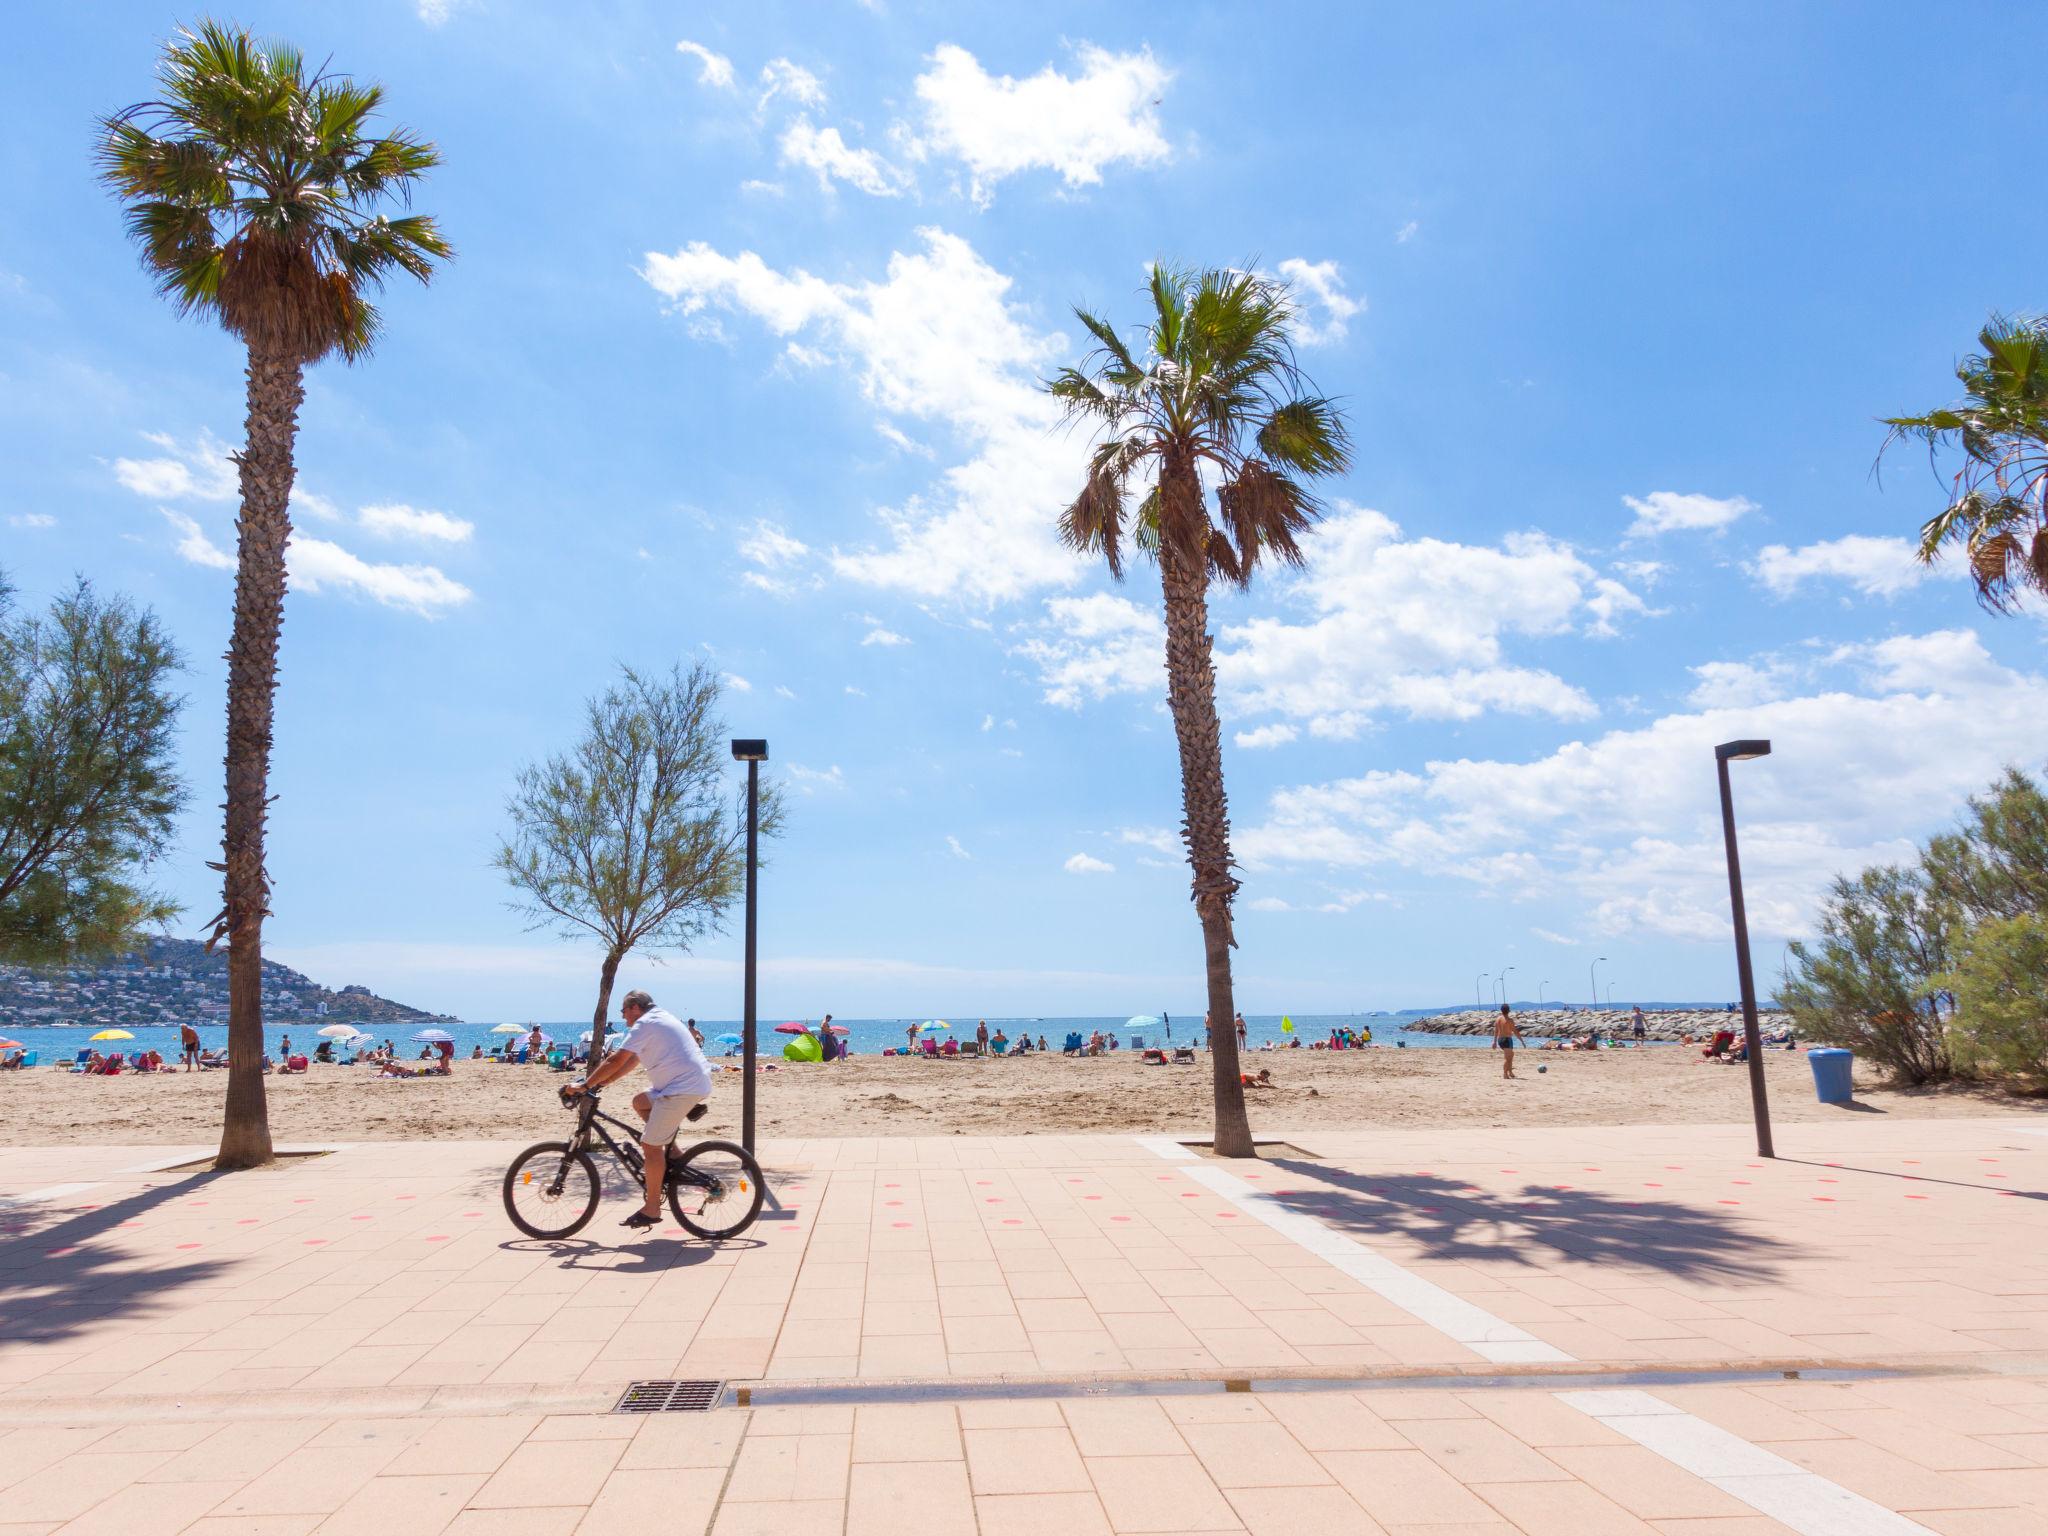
x=738 y=361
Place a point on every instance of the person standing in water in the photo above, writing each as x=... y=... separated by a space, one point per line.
x=1505 y=1033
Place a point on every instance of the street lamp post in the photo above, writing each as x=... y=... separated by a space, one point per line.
x=1539 y=991
x=1610 y=994
x=1504 y=983
x=1478 y=995
x=753 y=753
x=1592 y=971
x=1742 y=752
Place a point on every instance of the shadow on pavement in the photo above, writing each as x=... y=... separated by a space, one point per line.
x=1918 y=1178
x=1451 y=1220
x=58 y=1274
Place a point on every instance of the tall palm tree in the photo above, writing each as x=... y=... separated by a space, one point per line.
x=1209 y=390
x=254 y=189
x=1998 y=500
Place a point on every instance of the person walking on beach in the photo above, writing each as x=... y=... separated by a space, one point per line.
x=1505 y=1033
x=188 y=1042
x=678 y=1080
x=1636 y=1024
x=981 y=1038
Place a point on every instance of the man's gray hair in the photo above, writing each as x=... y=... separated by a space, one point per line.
x=636 y=999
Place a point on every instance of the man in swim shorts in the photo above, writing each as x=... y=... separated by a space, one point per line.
x=1505 y=1033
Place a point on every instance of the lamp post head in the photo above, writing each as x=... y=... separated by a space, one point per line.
x=1742 y=751
x=749 y=750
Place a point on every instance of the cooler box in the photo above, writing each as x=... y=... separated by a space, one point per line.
x=1832 y=1083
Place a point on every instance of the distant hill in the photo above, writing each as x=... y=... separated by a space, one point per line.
x=170 y=981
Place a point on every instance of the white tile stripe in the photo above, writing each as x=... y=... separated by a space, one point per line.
x=1765 y=1481
x=1489 y=1337
x=49 y=1192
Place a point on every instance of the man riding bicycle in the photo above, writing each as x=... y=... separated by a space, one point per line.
x=678 y=1077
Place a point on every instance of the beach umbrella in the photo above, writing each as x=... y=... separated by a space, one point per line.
x=837 y=1029
x=433 y=1037
x=1142 y=1021
x=507 y=1029
x=934 y=1024
x=792 y=1029
x=12 y=1045
x=339 y=1031
x=111 y=1034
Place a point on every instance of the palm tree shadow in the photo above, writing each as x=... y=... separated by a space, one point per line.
x=1451 y=1221
x=58 y=1276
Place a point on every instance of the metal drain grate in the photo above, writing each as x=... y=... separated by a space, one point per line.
x=670 y=1397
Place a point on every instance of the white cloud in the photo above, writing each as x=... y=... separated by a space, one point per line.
x=1278 y=734
x=1077 y=125
x=988 y=722
x=756 y=187
x=737 y=683
x=1407 y=232
x=196 y=471
x=305 y=504
x=1096 y=647
x=31 y=520
x=1554 y=938
x=1323 y=310
x=1628 y=824
x=1158 y=839
x=713 y=69
x=825 y=153
x=1674 y=511
x=811 y=780
x=1084 y=864
x=783 y=691
x=1268 y=904
x=194 y=545
x=853 y=692
x=885 y=637
x=779 y=77
x=1875 y=567
x=397 y=521
x=953 y=847
x=937 y=341
x=315 y=565
x=771 y=546
x=1738 y=684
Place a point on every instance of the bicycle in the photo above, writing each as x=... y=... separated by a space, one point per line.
x=552 y=1189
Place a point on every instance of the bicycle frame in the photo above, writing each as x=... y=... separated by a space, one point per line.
x=627 y=1152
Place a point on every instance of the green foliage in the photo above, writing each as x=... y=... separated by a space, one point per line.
x=2000 y=983
x=88 y=791
x=636 y=835
x=1945 y=963
x=1869 y=979
x=1998 y=498
x=1211 y=383
x=256 y=191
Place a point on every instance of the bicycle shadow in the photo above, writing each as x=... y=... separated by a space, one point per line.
x=59 y=1277
x=645 y=1256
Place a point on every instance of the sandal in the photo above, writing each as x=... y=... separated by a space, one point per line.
x=640 y=1221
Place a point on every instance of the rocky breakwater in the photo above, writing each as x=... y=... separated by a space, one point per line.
x=1561 y=1023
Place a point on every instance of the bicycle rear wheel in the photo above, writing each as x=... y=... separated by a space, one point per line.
x=715 y=1189
x=551 y=1190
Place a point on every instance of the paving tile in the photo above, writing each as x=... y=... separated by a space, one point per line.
x=1122 y=1427
x=1644 y=1483
x=890 y=1498
x=669 y=1500
x=1159 y=1493
x=807 y=1517
x=1041 y=1514
x=546 y=1474
x=403 y=1506
x=1253 y=1456
x=1036 y=1460
x=1561 y=1507
x=1403 y=1487
x=1314 y=1511
x=1480 y=1451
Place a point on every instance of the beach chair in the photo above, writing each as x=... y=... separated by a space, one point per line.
x=1184 y=1053
x=931 y=1047
x=29 y=1059
x=999 y=1047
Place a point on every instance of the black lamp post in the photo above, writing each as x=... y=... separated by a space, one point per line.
x=1504 y=984
x=753 y=754
x=1741 y=752
x=1593 y=976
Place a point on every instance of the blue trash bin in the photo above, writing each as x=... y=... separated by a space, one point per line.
x=1832 y=1082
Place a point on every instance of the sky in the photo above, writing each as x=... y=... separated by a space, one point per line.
x=740 y=361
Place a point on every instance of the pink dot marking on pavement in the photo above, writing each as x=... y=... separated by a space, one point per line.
x=1674 y=1167
x=1827 y=1181
x=316 y=1242
x=1910 y=1162
x=1731 y=1202
x=1589 y=1170
x=1191 y=1194
x=303 y=1200
x=993 y=1199
x=359 y=1218
x=1251 y=1175
x=1511 y=1170
x=1429 y=1208
x=1649 y=1184
x=1227 y=1215
x=438 y=1237
x=181 y=1245
x=1916 y=1197
x=1018 y=1221
x=892 y=1186
x=892 y=1202
x=1994 y=1175
x=1987 y=1159
x=899 y=1223
x=131 y=1223
x=1091 y=1197
x=1560 y=1186
x=195 y=1202
x=981 y=1183
x=1829 y=1199
x=246 y=1221
x=1738 y=1181
x=408 y=1197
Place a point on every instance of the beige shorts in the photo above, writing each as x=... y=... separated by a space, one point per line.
x=665 y=1118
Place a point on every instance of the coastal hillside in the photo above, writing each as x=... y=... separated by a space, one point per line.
x=170 y=981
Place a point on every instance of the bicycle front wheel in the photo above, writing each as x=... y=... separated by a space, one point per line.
x=551 y=1190
x=715 y=1189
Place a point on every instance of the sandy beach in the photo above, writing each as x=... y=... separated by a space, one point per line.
x=877 y=1096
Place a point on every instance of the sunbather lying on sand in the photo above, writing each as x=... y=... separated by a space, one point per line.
x=400 y=1069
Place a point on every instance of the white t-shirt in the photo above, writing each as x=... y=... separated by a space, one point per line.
x=666 y=1049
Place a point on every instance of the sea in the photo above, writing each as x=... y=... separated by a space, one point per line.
x=867 y=1037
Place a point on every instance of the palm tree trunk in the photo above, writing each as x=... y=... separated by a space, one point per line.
x=276 y=388
x=1205 y=825
x=605 y=978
